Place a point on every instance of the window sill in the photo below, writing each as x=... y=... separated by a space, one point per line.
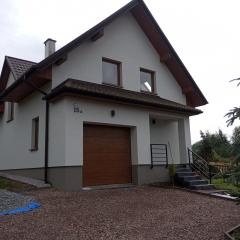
x=33 y=149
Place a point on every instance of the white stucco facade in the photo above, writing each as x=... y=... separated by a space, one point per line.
x=67 y=130
x=123 y=41
x=15 y=136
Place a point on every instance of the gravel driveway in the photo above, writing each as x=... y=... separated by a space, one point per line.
x=134 y=213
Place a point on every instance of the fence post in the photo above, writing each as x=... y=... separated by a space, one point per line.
x=189 y=158
x=210 y=173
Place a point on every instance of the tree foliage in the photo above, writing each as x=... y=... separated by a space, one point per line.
x=235 y=139
x=234 y=113
x=213 y=147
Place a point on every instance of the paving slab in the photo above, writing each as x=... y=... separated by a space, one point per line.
x=30 y=181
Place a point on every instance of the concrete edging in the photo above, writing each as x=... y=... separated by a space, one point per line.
x=195 y=191
x=30 y=181
x=227 y=235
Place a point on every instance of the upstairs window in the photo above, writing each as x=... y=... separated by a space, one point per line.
x=35 y=134
x=111 y=71
x=147 y=80
x=10 y=111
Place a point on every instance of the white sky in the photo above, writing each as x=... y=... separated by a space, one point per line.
x=204 y=33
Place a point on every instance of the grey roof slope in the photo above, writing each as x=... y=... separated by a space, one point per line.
x=83 y=88
x=19 y=66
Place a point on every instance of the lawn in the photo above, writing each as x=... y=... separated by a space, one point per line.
x=12 y=185
x=220 y=184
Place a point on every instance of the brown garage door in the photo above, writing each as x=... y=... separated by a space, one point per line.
x=106 y=155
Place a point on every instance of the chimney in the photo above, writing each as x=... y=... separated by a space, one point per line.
x=49 y=47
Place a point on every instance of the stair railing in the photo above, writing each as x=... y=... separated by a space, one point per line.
x=200 y=165
x=159 y=154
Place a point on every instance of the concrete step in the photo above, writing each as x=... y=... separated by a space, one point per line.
x=194 y=182
x=183 y=170
x=181 y=166
x=188 y=178
x=182 y=174
x=203 y=187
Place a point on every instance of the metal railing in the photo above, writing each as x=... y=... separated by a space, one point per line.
x=200 y=165
x=159 y=155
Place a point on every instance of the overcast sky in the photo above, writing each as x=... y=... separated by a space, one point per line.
x=204 y=33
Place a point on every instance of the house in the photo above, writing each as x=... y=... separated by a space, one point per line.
x=110 y=107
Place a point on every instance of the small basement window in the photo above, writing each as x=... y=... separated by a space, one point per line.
x=35 y=134
x=147 y=80
x=111 y=71
x=10 y=111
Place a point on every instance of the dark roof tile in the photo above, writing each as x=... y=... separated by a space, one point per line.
x=19 y=66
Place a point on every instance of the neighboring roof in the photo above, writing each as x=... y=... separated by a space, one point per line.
x=83 y=88
x=19 y=66
x=155 y=35
x=15 y=65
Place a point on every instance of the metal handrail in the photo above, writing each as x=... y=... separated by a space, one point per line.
x=162 y=156
x=199 y=157
x=200 y=164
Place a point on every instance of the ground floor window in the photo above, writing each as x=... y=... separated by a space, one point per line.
x=35 y=134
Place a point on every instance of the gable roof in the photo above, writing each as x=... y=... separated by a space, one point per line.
x=150 y=27
x=15 y=65
x=85 y=89
x=19 y=66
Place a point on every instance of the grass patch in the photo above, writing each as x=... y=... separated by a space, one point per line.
x=220 y=184
x=12 y=185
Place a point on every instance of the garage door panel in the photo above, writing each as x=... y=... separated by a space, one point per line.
x=108 y=131
x=111 y=161
x=107 y=155
x=101 y=148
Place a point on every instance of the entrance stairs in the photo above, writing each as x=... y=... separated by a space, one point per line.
x=190 y=179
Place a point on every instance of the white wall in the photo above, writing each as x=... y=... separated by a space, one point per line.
x=124 y=41
x=67 y=129
x=15 y=136
x=184 y=139
x=11 y=79
x=164 y=132
x=70 y=150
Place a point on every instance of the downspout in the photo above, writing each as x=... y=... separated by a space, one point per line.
x=46 y=127
x=46 y=141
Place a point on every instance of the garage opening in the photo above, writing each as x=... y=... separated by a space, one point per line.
x=106 y=155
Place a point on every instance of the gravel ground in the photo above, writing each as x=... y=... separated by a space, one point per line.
x=134 y=213
x=11 y=200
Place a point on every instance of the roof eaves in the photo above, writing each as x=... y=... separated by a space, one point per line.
x=145 y=8
x=67 y=87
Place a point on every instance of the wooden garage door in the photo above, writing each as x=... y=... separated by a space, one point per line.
x=106 y=155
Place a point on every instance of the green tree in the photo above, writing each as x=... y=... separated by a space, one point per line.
x=234 y=113
x=235 y=139
x=213 y=147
